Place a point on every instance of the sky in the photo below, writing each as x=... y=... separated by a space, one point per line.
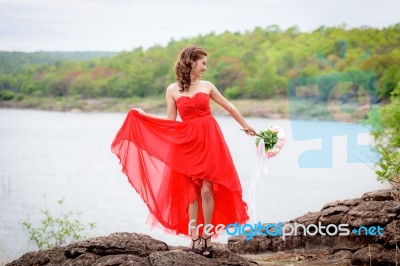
x=123 y=25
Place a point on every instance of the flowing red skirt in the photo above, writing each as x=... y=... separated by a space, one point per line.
x=166 y=162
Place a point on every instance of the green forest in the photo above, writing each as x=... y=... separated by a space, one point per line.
x=255 y=64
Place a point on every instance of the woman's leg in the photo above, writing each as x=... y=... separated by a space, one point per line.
x=208 y=209
x=207 y=201
x=193 y=212
x=193 y=215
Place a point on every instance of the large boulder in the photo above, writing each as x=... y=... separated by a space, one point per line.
x=126 y=249
x=378 y=209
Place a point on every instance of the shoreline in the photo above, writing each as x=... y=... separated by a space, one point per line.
x=273 y=108
x=270 y=108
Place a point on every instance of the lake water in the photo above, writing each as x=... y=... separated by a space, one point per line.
x=46 y=156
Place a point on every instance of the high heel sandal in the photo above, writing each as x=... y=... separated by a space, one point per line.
x=207 y=249
x=193 y=248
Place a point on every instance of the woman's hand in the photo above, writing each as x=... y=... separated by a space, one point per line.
x=139 y=110
x=249 y=131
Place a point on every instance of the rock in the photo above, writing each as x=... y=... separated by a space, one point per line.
x=301 y=258
x=372 y=213
x=391 y=234
x=376 y=211
x=221 y=257
x=125 y=259
x=239 y=244
x=291 y=243
x=347 y=203
x=342 y=257
x=54 y=256
x=308 y=218
x=380 y=195
x=374 y=255
x=117 y=243
x=333 y=215
x=126 y=249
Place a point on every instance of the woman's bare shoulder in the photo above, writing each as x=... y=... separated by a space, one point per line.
x=209 y=86
x=173 y=89
x=207 y=83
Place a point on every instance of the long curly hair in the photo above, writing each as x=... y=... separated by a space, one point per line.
x=184 y=65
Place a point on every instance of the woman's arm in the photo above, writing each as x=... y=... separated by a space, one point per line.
x=233 y=111
x=171 y=107
x=171 y=104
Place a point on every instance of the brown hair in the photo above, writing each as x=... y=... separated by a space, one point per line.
x=184 y=65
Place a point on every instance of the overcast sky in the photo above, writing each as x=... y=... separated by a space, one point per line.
x=116 y=25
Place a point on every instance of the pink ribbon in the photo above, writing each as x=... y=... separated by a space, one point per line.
x=261 y=164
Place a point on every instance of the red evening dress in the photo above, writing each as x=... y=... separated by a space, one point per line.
x=166 y=162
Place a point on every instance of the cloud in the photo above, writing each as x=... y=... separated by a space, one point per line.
x=125 y=24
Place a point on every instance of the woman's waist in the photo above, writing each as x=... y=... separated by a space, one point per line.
x=194 y=118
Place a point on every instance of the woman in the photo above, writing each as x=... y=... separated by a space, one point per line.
x=183 y=170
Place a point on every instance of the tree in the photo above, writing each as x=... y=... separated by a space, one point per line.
x=386 y=132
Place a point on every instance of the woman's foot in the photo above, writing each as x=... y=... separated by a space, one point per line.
x=195 y=246
x=207 y=250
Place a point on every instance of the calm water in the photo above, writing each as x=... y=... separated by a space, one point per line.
x=46 y=156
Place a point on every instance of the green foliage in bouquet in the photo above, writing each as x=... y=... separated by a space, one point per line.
x=270 y=138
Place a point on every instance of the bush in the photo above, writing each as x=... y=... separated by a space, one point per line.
x=19 y=97
x=56 y=231
x=386 y=132
x=7 y=95
x=232 y=92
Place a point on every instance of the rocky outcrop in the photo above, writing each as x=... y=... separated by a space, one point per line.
x=128 y=249
x=377 y=211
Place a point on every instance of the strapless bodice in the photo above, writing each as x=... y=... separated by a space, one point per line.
x=193 y=107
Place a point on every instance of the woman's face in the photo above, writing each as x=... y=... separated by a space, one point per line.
x=199 y=67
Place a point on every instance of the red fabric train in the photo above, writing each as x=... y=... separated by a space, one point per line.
x=166 y=161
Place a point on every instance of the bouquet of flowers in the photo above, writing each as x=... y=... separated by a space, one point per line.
x=273 y=138
x=269 y=143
